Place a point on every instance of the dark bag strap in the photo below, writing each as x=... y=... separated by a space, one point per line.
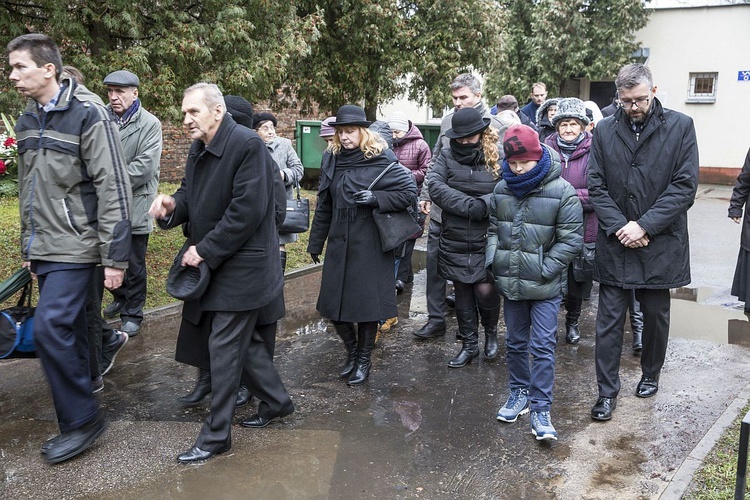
x=385 y=171
x=296 y=186
x=25 y=299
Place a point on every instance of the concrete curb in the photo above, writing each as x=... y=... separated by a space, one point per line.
x=684 y=476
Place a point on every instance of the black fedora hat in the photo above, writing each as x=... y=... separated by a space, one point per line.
x=466 y=122
x=187 y=282
x=351 y=115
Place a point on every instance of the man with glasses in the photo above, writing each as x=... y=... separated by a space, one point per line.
x=643 y=175
x=538 y=96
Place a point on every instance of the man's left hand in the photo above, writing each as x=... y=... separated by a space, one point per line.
x=113 y=277
x=630 y=234
x=191 y=257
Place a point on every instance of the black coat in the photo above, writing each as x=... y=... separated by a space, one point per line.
x=652 y=181
x=739 y=200
x=358 y=282
x=227 y=195
x=463 y=192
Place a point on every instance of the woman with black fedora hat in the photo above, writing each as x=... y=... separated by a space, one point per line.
x=358 y=280
x=461 y=182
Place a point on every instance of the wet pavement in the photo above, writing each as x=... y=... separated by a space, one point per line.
x=417 y=429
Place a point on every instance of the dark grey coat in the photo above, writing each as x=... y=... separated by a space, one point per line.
x=651 y=180
x=739 y=200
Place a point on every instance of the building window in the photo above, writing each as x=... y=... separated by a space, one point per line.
x=702 y=87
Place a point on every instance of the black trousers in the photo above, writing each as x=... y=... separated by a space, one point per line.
x=610 y=325
x=61 y=339
x=435 y=282
x=132 y=293
x=228 y=343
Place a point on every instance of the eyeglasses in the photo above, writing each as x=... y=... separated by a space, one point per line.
x=641 y=102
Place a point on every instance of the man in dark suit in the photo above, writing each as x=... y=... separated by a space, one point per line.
x=227 y=196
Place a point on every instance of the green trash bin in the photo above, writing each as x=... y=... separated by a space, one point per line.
x=430 y=132
x=310 y=148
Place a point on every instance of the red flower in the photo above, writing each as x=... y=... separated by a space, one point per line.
x=9 y=142
x=3 y=170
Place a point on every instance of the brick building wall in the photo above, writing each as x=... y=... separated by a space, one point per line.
x=177 y=142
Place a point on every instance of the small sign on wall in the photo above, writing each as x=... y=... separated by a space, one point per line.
x=743 y=76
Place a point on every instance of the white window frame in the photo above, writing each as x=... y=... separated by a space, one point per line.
x=702 y=97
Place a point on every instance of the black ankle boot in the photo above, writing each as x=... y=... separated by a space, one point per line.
x=572 y=334
x=490 y=317
x=467 y=327
x=637 y=341
x=201 y=390
x=349 y=336
x=365 y=341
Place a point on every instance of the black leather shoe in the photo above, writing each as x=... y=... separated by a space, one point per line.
x=196 y=454
x=257 y=422
x=603 y=409
x=399 y=286
x=69 y=444
x=113 y=309
x=572 y=334
x=430 y=331
x=647 y=387
x=50 y=443
x=243 y=396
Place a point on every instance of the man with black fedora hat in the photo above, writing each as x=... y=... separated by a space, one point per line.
x=141 y=139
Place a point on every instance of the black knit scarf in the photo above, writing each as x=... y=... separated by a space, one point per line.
x=467 y=154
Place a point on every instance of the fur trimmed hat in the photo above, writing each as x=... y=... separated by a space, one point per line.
x=541 y=113
x=522 y=144
x=570 y=107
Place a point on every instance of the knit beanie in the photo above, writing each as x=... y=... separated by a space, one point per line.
x=240 y=109
x=570 y=107
x=326 y=130
x=398 y=121
x=522 y=144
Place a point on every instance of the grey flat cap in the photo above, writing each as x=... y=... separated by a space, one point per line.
x=122 y=78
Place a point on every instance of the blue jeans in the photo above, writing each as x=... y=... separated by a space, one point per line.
x=532 y=328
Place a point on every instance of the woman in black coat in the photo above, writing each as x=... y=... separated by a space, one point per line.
x=358 y=280
x=461 y=182
x=741 y=283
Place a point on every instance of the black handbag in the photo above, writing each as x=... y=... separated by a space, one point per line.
x=297 y=215
x=583 y=263
x=397 y=226
x=17 y=328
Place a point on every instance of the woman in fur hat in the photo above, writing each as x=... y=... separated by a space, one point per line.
x=544 y=116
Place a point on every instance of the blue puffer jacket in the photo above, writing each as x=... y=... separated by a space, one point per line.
x=532 y=240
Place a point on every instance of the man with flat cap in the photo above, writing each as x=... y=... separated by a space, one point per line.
x=140 y=135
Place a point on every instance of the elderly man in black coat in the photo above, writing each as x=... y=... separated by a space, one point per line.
x=643 y=175
x=227 y=196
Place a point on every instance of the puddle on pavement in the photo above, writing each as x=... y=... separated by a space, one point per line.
x=693 y=320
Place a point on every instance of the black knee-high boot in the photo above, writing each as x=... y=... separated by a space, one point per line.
x=365 y=342
x=573 y=312
x=201 y=390
x=490 y=317
x=349 y=336
x=468 y=329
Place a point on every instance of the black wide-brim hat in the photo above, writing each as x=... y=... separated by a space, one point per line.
x=466 y=122
x=352 y=116
x=187 y=282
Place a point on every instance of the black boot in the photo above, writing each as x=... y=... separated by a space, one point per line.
x=637 y=341
x=573 y=308
x=282 y=254
x=467 y=328
x=365 y=341
x=349 y=336
x=201 y=390
x=490 y=317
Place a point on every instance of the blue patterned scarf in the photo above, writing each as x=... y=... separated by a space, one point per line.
x=523 y=184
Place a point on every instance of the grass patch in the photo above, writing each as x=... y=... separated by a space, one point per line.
x=162 y=247
x=715 y=480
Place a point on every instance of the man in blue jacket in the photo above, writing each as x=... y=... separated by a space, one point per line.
x=643 y=175
x=75 y=214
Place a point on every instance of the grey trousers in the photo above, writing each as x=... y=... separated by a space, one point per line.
x=435 y=282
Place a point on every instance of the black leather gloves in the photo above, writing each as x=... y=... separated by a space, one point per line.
x=315 y=258
x=365 y=198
